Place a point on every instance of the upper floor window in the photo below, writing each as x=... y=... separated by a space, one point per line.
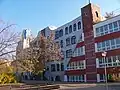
x=70 y=28
x=79 y=25
x=56 y=34
x=96 y=14
x=53 y=67
x=108 y=44
x=106 y=29
x=110 y=27
x=67 y=41
x=43 y=32
x=101 y=30
x=62 y=67
x=74 y=27
x=68 y=53
x=61 y=33
x=61 y=43
x=115 y=24
x=97 y=32
x=118 y=42
x=119 y=24
x=58 y=67
x=66 y=30
x=73 y=40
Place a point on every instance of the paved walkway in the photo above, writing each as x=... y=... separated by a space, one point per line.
x=111 y=86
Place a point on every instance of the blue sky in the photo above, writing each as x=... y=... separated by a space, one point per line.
x=37 y=14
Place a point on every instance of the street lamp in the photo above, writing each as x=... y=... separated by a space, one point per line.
x=104 y=55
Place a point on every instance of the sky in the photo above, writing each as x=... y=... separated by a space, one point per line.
x=38 y=14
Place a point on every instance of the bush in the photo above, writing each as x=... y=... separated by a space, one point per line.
x=6 y=78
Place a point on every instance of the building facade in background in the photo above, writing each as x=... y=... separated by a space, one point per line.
x=82 y=42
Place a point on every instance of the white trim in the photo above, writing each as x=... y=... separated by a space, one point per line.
x=98 y=78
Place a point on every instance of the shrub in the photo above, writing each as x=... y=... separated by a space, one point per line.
x=6 y=78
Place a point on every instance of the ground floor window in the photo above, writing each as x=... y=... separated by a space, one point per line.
x=76 y=78
x=110 y=77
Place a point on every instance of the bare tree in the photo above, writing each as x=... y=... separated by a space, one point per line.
x=8 y=40
x=109 y=15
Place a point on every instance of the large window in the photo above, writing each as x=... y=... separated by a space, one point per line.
x=109 y=61
x=79 y=78
x=70 y=29
x=79 y=25
x=74 y=27
x=76 y=65
x=108 y=45
x=73 y=40
x=79 y=51
x=53 y=67
x=66 y=30
x=67 y=41
x=108 y=28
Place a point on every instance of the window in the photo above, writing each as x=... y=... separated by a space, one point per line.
x=52 y=67
x=43 y=32
x=101 y=30
x=56 y=34
x=113 y=43
x=115 y=26
x=47 y=68
x=119 y=24
x=74 y=27
x=70 y=29
x=103 y=45
x=67 y=41
x=102 y=77
x=58 y=67
x=68 y=53
x=106 y=29
x=73 y=40
x=110 y=27
x=118 y=42
x=77 y=65
x=80 y=51
x=108 y=44
x=79 y=25
x=109 y=61
x=97 y=32
x=99 y=46
x=61 y=43
x=66 y=30
x=62 y=67
x=61 y=33
x=96 y=14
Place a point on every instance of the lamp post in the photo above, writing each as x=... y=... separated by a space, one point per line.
x=104 y=55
